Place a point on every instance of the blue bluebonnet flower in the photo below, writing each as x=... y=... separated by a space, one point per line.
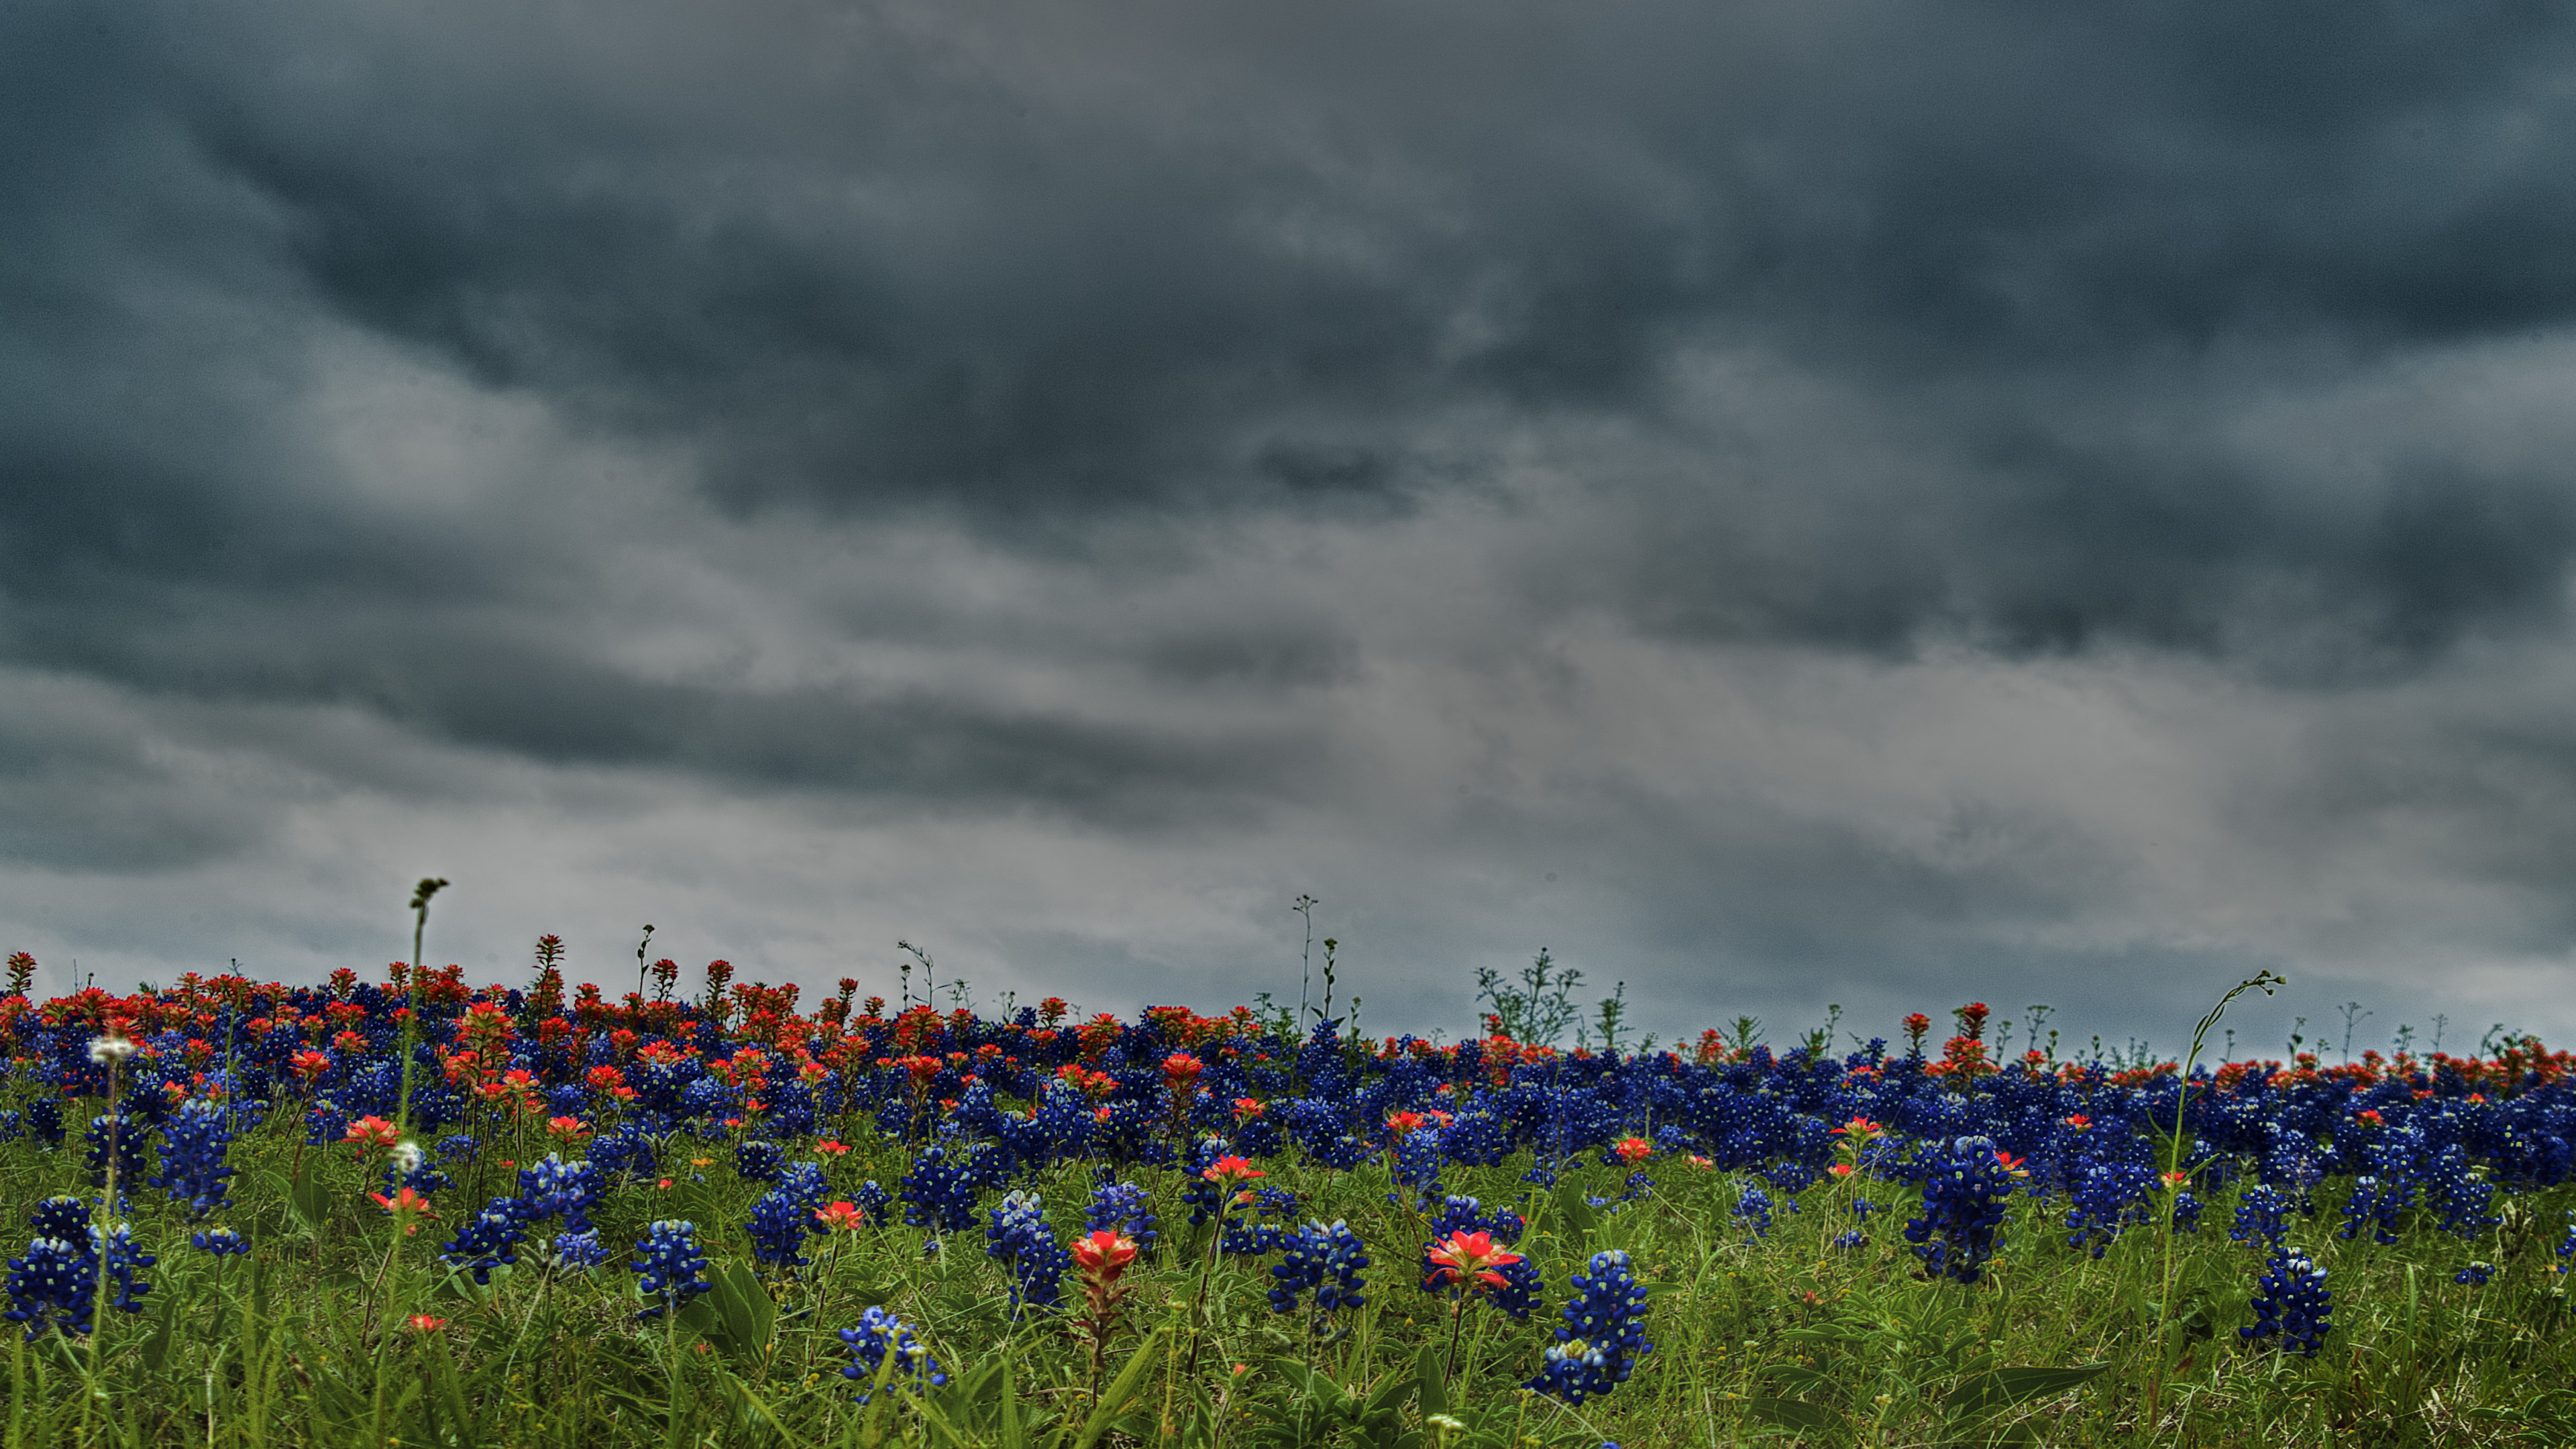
x=555 y=1188
x=1522 y=1291
x=1260 y=1226
x=489 y=1239
x=780 y=1222
x=804 y=1181
x=1603 y=1335
x=878 y=1333
x=1852 y=1239
x=128 y=1134
x=45 y=1119
x=67 y=1218
x=2259 y=1214
x=192 y=1157
x=1417 y=1159
x=2291 y=1300
x=624 y=1151
x=1020 y=1237
x=124 y=1260
x=940 y=1191
x=219 y=1241
x=1324 y=1259
x=2567 y=1244
x=872 y=1200
x=2475 y=1275
x=2107 y=1195
x=1963 y=1209
x=1202 y=1195
x=53 y=1286
x=758 y=1161
x=2186 y=1212
x=576 y=1251
x=2375 y=1205
x=1755 y=1208
x=1122 y=1208
x=672 y=1268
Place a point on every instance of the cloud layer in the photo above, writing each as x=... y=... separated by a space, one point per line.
x=1780 y=503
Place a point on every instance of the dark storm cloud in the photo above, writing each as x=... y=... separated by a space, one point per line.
x=1230 y=430
x=1035 y=267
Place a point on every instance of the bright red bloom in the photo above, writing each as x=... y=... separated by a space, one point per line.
x=1402 y=1123
x=1859 y=1127
x=1633 y=1150
x=832 y=1149
x=407 y=1206
x=369 y=1132
x=1470 y=1259
x=2079 y=1122
x=1247 y=1108
x=309 y=1065
x=841 y=1217
x=567 y=1130
x=1232 y=1169
x=423 y=1323
x=1181 y=1069
x=1104 y=1254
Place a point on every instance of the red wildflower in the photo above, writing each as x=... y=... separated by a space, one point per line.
x=1103 y=1255
x=1470 y=1259
x=1231 y=1169
x=407 y=1206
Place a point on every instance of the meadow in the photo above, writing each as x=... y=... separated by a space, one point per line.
x=417 y=1211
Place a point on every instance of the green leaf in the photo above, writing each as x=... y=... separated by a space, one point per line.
x=1013 y=1436
x=1120 y=1390
x=2003 y=1388
x=1430 y=1385
x=308 y=1198
x=1389 y=1399
x=156 y=1348
x=1798 y=1414
x=1310 y=1384
x=451 y=1393
x=1581 y=1217
x=744 y=1309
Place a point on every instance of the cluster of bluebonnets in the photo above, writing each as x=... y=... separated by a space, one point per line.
x=1173 y=1111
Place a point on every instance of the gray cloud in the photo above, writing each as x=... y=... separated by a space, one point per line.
x=1752 y=495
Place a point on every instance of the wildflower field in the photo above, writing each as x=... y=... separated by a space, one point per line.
x=417 y=1211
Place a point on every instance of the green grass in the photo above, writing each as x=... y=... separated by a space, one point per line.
x=1783 y=1339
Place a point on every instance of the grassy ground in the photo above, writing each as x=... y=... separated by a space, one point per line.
x=1778 y=1338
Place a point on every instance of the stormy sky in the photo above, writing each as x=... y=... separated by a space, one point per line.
x=1780 y=503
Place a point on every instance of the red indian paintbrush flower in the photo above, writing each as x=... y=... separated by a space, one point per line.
x=1103 y=1255
x=408 y=1208
x=1231 y=1169
x=841 y=1217
x=1633 y=1150
x=1469 y=1260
